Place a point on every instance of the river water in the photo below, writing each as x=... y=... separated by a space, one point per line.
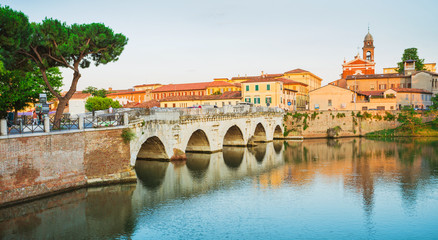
x=316 y=189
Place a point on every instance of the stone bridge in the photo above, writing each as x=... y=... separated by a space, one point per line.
x=168 y=135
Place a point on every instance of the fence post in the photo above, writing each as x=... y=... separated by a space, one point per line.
x=46 y=124
x=81 y=122
x=125 y=119
x=3 y=127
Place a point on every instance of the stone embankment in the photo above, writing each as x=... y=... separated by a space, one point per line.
x=323 y=124
x=37 y=165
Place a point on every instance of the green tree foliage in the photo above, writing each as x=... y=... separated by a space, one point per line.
x=434 y=103
x=18 y=88
x=410 y=54
x=96 y=92
x=409 y=120
x=53 y=43
x=100 y=103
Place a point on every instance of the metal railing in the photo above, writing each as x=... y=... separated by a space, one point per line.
x=27 y=124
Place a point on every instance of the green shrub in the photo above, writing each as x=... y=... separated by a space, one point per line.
x=378 y=117
x=367 y=115
x=389 y=117
x=127 y=135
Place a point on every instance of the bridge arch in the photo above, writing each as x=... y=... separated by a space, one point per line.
x=198 y=142
x=259 y=135
x=278 y=133
x=234 y=137
x=152 y=149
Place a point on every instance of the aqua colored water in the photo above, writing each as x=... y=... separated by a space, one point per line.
x=316 y=189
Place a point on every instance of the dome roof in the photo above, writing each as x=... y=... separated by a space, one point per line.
x=368 y=37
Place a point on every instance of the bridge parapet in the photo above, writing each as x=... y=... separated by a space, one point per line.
x=169 y=115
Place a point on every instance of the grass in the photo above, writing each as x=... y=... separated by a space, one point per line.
x=429 y=129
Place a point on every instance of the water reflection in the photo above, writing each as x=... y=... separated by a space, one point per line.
x=233 y=156
x=367 y=184
x=151 y=173
x=259 y=152
x=198 y=163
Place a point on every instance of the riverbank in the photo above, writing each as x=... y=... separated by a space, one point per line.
x=429 y=129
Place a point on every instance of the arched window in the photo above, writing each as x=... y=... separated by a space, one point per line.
x=369 y=56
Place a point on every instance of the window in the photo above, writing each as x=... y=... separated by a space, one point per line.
x=392 y=85
x=364 y=108
x=409 y=85
x=247 y=87
x=382 y=86
x=380 y=107
x=256 y=87
x=256 y=100
x=174 y=105
x=372 y=87
x=165 y=105
x=248 y=99
x=329 y=103
x=268 y=100
x=268 y=87
x=222 y=90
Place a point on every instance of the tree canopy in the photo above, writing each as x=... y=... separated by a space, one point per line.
x=410 y=54
x=53 y=43
x=100 y=103
x=18 y=88
x=96 y=92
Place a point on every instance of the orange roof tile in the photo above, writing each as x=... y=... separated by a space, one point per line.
x=182 y=87
x=126 y=92
x=147 y=104
x=225 y=95
x=298 y=70
x=80 y=95
x=147 y=85
x=411 y=90
x=220 y=84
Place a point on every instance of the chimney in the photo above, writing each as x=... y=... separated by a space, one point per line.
x=110 y=89
x=262 y=74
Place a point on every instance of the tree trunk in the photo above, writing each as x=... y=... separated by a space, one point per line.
x=15 y=116
x=59 y=111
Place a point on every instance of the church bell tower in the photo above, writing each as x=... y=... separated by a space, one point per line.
x=368 y=47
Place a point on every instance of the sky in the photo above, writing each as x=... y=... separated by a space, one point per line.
x=183 y=41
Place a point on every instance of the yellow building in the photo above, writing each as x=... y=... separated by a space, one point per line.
x=311 y=80
x=219 y=87
x=144 y=87
x=431 y=67
x=270 y=92
x=412 y=97
x=227 y=98
x=378 y=82
x=331 y=97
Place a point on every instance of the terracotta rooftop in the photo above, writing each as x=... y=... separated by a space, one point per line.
x=242 y=78
x=220 y=84
x=288 y=81
x=225 y=95
x=147 y=104
x=125 y=92
x=271 y=79
x=374 y=76
x=371 y=93
x=298 y=70
x=148 y=85
x=182 y=87
x=411 y=90
x=79 y=95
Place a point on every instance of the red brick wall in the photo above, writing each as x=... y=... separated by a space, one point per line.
x=36 y=165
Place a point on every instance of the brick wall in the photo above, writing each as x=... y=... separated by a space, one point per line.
x=38 y=165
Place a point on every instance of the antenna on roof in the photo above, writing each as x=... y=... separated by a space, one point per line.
x=368 y=27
